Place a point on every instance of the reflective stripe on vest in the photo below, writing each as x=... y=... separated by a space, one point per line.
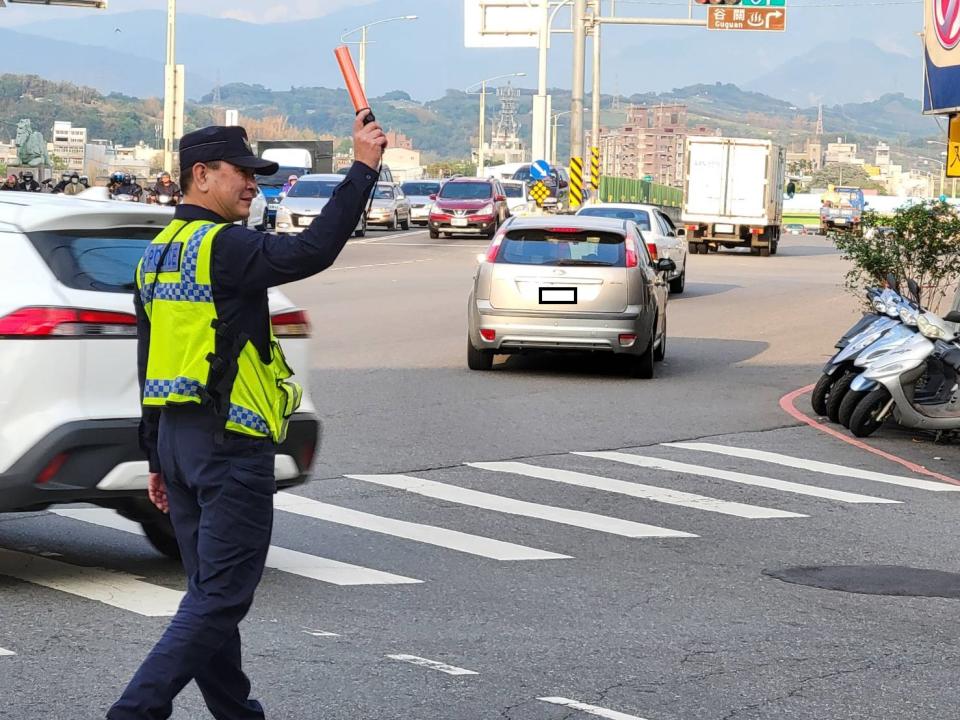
x=174 y=281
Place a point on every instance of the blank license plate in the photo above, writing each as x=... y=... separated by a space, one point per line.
x=305 y=220
x=723 y=228
x=459 y=222
x=558 y=296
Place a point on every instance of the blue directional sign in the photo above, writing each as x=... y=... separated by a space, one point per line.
x=764 y=3
x=540 y=170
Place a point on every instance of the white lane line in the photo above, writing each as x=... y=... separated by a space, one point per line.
x=742 y=478
x=430 y=534
x=278 y=558
x=376 y=265
x=6 y=653
x=499 y=503
x=377 y=238
x=319 y=633
x=589 y=709
x=432 y=664
x=645 y=492
x=117 y=589
x=816 y=466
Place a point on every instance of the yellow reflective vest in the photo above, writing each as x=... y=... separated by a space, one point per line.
x=193 y=355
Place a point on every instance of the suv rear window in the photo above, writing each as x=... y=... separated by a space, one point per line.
x=467 y=191
x=101 y=260
x=536 y=246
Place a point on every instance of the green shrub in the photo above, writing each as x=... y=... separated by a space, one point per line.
x=919 y=241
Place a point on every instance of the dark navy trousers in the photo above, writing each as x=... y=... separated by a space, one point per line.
x=220 y=486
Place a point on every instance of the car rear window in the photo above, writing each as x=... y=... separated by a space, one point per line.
x=640 y=217
x=314 y=188
x=101 y=260
x=513 y=191
x=549 y=247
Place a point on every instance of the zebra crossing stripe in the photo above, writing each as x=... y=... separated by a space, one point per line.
x=499 y=503
x=742 y=478
x=432 y=535
x=816 y=466
x=278 y=558
x=645 y=492
x=432 y=664
x=116 y=589
x=6 y=653
x=589 y=709
x=576 y=182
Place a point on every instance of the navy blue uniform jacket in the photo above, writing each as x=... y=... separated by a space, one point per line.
x=246 y=262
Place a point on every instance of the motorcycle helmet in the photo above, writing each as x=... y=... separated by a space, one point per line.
x=27 y=175
x=116 y=177
x=65 y=176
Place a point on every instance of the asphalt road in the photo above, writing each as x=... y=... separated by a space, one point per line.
x=538 y=582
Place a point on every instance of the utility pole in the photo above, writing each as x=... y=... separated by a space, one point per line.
x=595 y=87
x=481 y=167
x=579 y=61
x=541 y=101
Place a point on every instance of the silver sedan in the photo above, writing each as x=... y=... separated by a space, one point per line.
x=390 y=207
x=571 y=283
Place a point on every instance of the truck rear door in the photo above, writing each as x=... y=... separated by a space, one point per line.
x=747 y=180
x=706 y=178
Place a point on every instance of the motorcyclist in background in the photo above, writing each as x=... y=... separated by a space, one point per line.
x=130 y=188
x=10 y=183
x=165 y=188
x=74 y=187
x=27 y=183
x=62 y=185
x=85 y=181
x=116 y=180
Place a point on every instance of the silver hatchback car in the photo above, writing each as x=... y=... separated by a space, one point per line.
x=569 y=283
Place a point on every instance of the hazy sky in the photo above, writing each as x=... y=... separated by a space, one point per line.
x=248 y=10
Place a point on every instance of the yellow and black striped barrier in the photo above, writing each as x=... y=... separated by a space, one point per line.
x=576 y=182
x=594 y=170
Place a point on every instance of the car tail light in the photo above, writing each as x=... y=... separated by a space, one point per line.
x=564 y=230
x=293 y=324
x=627 y=339
x=488 y=335
x=632 y=259
x=652 y=249
x=51 y=468
x=494 y=248
x=51 y=322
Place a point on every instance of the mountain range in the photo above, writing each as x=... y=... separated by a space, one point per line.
x=124 y=52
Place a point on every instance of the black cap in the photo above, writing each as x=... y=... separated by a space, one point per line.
x=222 y=143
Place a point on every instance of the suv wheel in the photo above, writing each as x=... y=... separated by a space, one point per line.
x=160 y=534
x=434 y=234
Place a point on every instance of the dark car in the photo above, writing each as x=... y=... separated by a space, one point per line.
x=469 y=206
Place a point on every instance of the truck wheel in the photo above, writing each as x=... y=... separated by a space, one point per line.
x=774 y=247
x=693 y=248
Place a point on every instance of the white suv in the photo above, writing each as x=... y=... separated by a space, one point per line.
x=69 y=401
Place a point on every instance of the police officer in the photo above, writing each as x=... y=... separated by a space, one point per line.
x=217 y=396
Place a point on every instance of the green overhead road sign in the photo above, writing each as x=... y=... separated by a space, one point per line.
x=764 y=3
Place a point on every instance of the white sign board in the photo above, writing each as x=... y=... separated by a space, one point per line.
x=501 y=23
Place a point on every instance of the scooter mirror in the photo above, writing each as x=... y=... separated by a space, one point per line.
x=914 y=289
x=892 y=282
x=953 y=316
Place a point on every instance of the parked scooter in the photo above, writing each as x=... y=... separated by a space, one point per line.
x=838 y=373
x=916 y=383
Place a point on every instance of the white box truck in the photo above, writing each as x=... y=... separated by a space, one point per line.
x=733 y=194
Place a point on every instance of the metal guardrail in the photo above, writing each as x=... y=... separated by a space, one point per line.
x=618 y=189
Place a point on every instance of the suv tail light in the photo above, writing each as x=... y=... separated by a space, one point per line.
x=494 y=248
x=293 y=324
x=53 y=322
x=630 y=248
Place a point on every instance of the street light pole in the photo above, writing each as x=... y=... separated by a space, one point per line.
x=556 y=122
x=595 y=87
x=362 y=70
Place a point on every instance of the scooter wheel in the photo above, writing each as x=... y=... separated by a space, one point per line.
x=837 y=394
x=821 y=391
x=849 y=404
x=864 y=420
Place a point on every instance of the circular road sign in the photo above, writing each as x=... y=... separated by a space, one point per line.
x=540 y=170
x=946 y=16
